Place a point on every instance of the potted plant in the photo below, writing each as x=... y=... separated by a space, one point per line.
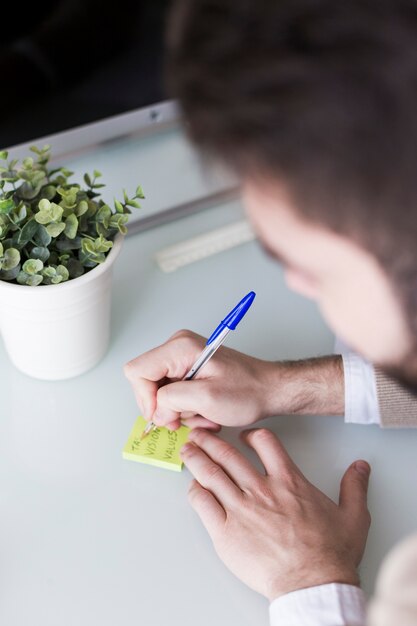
x=58 y=244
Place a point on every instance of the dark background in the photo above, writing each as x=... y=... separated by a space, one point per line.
x=71 y=62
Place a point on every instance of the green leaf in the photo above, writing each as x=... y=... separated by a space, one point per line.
x=10 y=259
x=32 y=266
x=7 y=205
x=102 y=230
x=55 y=229
x=28 y=231
x=3 y=155
x=87 y=246
x=44 y=204
x=82 y=207
x=10 y=274
x=62 y=271
x=42 y=237
x=118 y=206
x=103 y=213
x=43 y=217
x=87 y=179
x=41 y=253
x=1 y=249
x=21 y=213
x=75 y=268
x=125 y=196
x=56 y=212
x=35 y=280
x=22 y=277
x=69 y=196
x=68 y=244
x=134 y=204
x=49 y=192
x=102 y=245
x=27 y=192
x=97 y=174
x=139 y=192
x=27 y=163
x=71 y=226
x=49 y=272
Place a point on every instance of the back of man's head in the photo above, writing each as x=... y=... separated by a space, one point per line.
x=317 y=94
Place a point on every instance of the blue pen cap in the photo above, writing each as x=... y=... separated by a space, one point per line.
x=234 y=317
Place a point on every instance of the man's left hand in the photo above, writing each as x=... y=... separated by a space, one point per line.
x=276 y=531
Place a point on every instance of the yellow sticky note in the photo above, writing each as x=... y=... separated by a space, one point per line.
x=161 y=447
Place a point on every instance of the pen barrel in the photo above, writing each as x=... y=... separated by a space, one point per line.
x=207 y=354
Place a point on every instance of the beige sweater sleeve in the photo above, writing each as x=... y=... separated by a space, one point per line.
x=397 y=405
x=395 y=599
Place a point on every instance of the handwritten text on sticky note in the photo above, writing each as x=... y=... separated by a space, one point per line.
x=160 y=447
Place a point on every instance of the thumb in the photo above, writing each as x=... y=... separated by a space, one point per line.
x=178 y=397
x=353 y=493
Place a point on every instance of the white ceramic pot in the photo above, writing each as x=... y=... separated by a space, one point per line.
x=55 y=332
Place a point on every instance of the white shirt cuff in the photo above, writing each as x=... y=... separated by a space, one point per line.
x=361 y=399
x=334 y=604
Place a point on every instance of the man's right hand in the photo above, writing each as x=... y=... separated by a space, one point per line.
x=232 y=389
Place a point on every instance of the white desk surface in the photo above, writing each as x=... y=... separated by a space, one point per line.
x=87 y=538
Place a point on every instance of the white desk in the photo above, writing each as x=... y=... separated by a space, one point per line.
x=90 y=539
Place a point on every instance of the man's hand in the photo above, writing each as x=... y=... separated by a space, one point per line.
x=275 y=531
x=232 y=389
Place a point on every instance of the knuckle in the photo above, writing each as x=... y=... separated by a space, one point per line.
x=213 y=472
x=264 y=493
x=179 y=334
x=198 y=495
x=129 y=370
x=262 y=435
x=227 y=455
x=188 y=339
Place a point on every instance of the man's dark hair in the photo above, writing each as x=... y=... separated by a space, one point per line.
x=320 y=95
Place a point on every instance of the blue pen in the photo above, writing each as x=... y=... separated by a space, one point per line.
x=215 y=341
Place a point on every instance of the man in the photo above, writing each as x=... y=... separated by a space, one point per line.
x=312 y=102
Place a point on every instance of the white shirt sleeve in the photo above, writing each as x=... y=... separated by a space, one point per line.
x=325 y=605
x=361 y=400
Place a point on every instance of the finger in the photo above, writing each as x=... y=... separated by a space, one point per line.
x=172 y=359
x=175 y=425
x=200 y=422
x=353 y=493
x=211 y=513
x=145 y=393
x=271 y=452
x=210 y=475
x=240 y=470
x=191 y=395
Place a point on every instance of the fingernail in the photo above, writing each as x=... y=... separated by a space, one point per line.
x=362 y=468
x=186 y=447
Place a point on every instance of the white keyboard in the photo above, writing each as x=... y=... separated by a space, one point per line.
x=196 y=248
